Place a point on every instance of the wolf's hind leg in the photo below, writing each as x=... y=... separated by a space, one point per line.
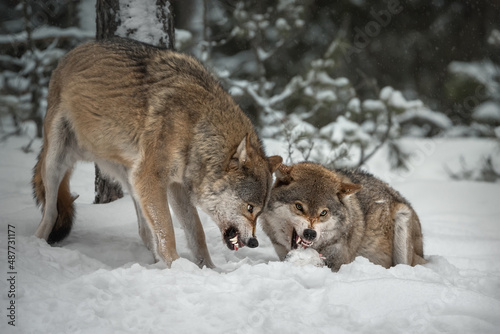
x=407 y=248
x=55 y=167
x=190 y=221
x=418 y=245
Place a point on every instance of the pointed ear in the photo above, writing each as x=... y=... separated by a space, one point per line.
x=274 y=162
x=242 y=151
x=283 y=175
x=347 y=189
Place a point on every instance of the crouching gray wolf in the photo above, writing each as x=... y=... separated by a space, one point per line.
x=160 y=123
x=341 y=214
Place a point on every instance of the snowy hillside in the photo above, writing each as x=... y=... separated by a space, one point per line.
x=102 y=279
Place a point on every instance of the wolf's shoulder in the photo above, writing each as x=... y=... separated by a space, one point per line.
x=373 y=187
x=358 y=175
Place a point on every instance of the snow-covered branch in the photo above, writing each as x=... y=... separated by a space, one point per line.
x=46 y=33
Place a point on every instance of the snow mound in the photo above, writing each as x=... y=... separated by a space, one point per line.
x=304 y=256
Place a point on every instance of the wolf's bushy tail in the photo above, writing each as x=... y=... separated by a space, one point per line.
x=65 y=207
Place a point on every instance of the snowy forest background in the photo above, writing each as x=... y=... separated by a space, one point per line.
x=409 y=90
x=344 y=77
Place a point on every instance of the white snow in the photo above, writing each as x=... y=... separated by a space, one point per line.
x=343 y=129
x=325 y=79
x=354 y=105
x=386 y=92
x=488 y=111
x=87 y=15
x=373 y=105
x=281 y=24
x=48 y=32
x=325 y=96
x=304 y=256
x=139 y=21
x=494 y=38
x=424 y=114
x=483 y=72
x=102 y=279
x=182 y=38
x=409 y=110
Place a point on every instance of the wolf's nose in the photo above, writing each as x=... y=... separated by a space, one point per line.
x=309 y=234
x=252 y=243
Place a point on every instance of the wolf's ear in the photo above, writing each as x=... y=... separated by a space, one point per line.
x=240 y=157
x=274 y=162
x=347 y=189
x=283 y=175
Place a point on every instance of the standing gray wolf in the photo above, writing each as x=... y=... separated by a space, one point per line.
x=341 y=214
x=161 y=124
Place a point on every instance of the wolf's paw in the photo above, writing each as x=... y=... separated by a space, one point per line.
x=206 y=263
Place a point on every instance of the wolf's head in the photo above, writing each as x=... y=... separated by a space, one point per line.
x=238 y=196
x=308 y=205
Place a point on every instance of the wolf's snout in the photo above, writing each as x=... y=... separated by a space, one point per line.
x=253 y=242
x=309 y=234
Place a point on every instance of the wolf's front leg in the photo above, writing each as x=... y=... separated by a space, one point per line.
x=281 y=250
x=190 y=221
x=152 y=198
x=336 y=255
x=144 y=230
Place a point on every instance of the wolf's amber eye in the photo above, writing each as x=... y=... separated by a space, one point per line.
x=299 y=206
x=250 y=208
x=323 y=213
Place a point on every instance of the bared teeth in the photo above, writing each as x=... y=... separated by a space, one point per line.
x=234 y=240
x=299 y=240
x=306 y=244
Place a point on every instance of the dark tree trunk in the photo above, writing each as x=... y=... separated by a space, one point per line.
x=107 y=18
x=164 y=12
x=107 y=23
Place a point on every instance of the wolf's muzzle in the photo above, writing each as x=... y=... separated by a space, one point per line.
x=309 y=234
x=253 y=242
x=307 y=241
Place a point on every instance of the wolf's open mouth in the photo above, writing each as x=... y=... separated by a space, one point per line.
x=232 y=238
x=296 y=241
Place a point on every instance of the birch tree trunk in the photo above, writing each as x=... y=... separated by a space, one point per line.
x=158 y=29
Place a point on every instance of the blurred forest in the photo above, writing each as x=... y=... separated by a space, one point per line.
x=346 y=77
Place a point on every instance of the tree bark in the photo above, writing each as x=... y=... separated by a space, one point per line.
x=107 y=22
x=107 y=18
x=164 y=12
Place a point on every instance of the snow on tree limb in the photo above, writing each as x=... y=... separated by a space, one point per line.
x=46 y=33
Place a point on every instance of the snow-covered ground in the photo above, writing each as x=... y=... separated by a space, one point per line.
x=102 y=279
